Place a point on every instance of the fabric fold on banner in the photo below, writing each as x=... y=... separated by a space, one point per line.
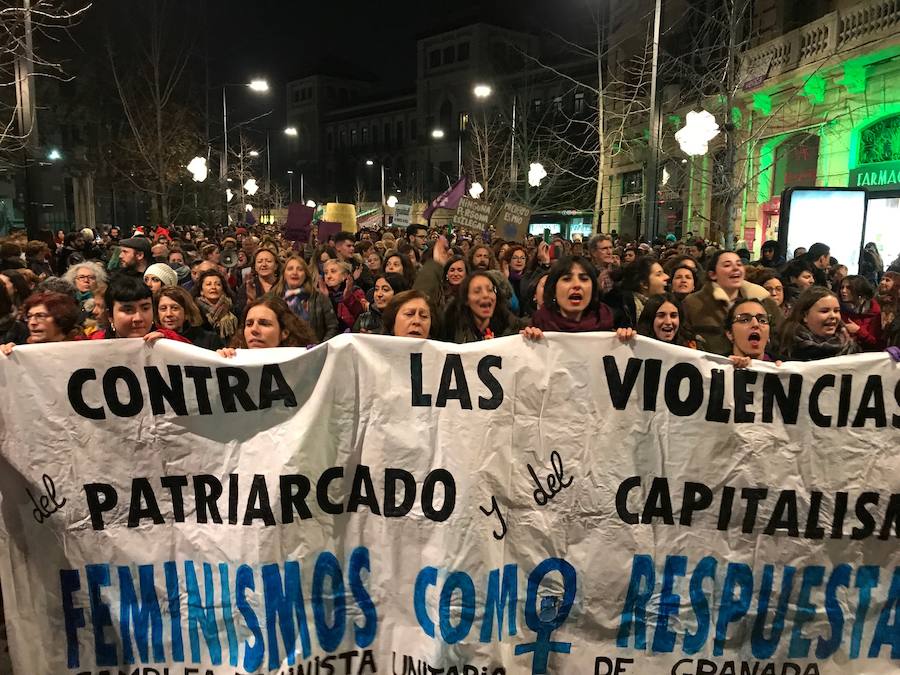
x=378 y=504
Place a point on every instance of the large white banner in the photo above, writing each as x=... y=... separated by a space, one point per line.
x=385 y=505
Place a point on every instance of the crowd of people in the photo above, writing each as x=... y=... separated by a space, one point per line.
x=250 y=289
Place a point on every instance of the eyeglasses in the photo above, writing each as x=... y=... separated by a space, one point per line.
x=37 y=316
x=761 y=319
x=604 y=248
x=518 y=258
x=85 y=277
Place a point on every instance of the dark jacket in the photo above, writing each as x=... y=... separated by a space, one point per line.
x=197 y=335
x=322 y=318
x=703 y=315
x=369 y=321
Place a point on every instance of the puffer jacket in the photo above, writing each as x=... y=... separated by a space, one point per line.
x=869 y=337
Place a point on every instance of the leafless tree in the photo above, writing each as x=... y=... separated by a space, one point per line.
x=21 y=64
x=149 y=75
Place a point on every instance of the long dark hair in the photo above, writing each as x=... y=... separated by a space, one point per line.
x=644 y=324
x=635 y=277
x=861 y=292
x=562 y=267
x=409 y=272
x=459 y=314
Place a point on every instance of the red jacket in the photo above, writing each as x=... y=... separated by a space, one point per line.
x=349 y=307
x=869 y=337
x=170 y=334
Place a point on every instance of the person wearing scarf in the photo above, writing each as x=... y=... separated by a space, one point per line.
x=571 y=299
x=298 y=290
x=814 y=329
x=85 y=277
x=479 y=312
x=212 y=295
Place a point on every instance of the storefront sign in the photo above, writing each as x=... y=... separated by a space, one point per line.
x=878 y=176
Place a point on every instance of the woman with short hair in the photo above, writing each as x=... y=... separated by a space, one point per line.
x=175 y=309
x=571 y=299
x=409 y=314
x=129 y=302
x=50 y=317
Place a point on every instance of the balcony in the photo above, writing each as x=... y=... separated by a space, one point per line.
x=834 y=33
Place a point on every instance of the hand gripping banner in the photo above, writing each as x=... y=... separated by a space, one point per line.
x=387 y=505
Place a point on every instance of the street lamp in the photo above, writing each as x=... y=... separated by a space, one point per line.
x=198 y=169
x=54 y=155
x=258 y=86
x=437 y=133
x=311 y=204
x=254 y=153
x=392 y=201
x=369 y=162
x=536 y=173
x=291 y=131
x=482 y=91
x=251 y=186
x=476 y=190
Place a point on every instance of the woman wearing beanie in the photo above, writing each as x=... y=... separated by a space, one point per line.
x=159 y=275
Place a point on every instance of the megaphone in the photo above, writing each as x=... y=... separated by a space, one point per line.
x=229 y=257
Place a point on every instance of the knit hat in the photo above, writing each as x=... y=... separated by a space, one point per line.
x=162 y=272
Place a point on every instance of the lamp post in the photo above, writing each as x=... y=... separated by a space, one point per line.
x=371 y=162
x=258 y=86
x=290 y=175
x=439 y=134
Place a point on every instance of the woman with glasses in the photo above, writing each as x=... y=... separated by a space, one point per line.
x=50 y=317
x=85 y=276
x=747 y=328
x=513 y=265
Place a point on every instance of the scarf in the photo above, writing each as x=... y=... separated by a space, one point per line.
x=83 y=296
x=809 y=345
x=220 y=316
x=297 y=301
x=548 y=320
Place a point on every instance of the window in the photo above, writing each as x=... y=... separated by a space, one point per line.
x=375 y=134
x=449 y=55
x=387 y=133
x=633 y=182
x=434 y=58
x=413 y=130
x=463 y=120
x=557 y=104
x=342 y=139
x=353 y=137
x=399 y=135
x=364 y=136
x=309 y=93
x=295 y=95
x=330 y=142
x=446 y=116
x=462 y=51
x=579 y=102
x=536 y=104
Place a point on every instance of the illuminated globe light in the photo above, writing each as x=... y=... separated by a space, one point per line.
x=229 y=195
x=699 y=129
x=392 y=201
x=54 y=155
x=254 y=153
x=259 y=85
x=198 y=169
x=482 y=91
x=437 y=133
x=476 y=190
x=251 y=187
x=249 y=208
x=536 y=174
x=310 y=203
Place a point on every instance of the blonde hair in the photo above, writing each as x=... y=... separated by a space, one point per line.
x=344 y=266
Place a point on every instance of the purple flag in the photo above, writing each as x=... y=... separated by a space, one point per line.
x=449 y=199
x=250 y=219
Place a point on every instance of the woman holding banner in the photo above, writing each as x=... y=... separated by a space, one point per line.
x=50 y=317
x=176 y=310
x=269 y=323
x=129 y=302
x=747 y=327
x=661 y=320
x=571 y=299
